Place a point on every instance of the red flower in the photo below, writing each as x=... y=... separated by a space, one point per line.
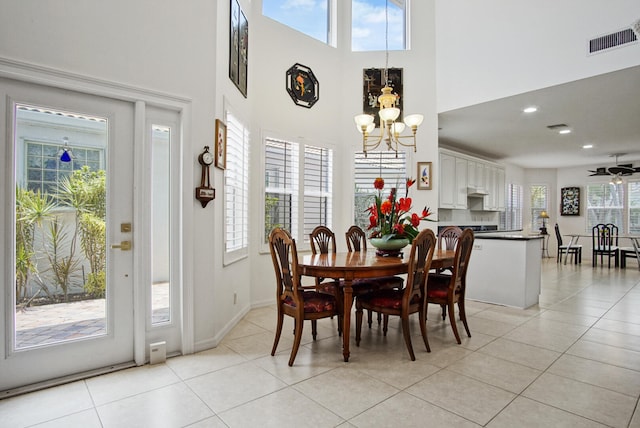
x=378 y=183
x=373 y=221
x=404 y=204
x=399 y=228
x=426 y=213
x=385 y=207
x=415 y=220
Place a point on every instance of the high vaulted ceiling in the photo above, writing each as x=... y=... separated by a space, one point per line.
x=603 y=111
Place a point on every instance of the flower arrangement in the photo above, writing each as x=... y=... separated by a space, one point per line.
x=390 y=218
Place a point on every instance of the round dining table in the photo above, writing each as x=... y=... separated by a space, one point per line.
x=349 y=266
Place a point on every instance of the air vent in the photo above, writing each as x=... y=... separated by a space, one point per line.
x=612 y=40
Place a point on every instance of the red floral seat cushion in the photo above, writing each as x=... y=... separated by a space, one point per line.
x=391 y=299
x=314 y=302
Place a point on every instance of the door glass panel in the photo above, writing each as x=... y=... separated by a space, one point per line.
x=60 y=229
x=160 y=197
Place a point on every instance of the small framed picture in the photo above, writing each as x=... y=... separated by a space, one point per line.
x=221 y=144
x=425 y=179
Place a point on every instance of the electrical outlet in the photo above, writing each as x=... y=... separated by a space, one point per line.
x=477 y=247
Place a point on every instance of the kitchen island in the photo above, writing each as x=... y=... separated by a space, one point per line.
x=505 y=268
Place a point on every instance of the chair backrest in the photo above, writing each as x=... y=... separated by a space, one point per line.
x=604 y=236
x=322 y=240
x=461 y=263
x=356 y=239
x=285 y=264
x=558 y=235
x=420 y=259
x=449 y=237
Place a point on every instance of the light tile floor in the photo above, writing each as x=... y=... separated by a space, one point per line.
x=572 y=361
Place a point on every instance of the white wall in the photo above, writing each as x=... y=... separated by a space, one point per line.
x=496 y=48
x=182 y=49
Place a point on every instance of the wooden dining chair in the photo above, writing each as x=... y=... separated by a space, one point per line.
x=449 y=290
x=575 y=251
x=447 y=240
x=297 y=301
x=604 y=241
x=357 y=241
x=409 y=300
x=323 y=241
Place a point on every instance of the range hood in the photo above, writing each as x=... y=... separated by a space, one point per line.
x=476 y=192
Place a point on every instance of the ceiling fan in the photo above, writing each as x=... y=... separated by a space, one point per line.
x=619 y=169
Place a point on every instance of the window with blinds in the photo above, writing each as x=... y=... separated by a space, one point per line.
x=318 y=169
x=367 y=168
x=295 y=200
x=539 y=203
x=236 y=189
x=511 y=218
x=634 y=207
x=281 y=186
x=605 y=204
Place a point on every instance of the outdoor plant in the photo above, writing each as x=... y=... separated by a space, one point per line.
x=63 y=267
x=389 y=218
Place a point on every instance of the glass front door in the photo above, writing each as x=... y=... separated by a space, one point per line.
x=67 y=200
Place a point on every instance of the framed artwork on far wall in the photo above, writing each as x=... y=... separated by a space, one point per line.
x=425 y=177
x=238 y=47
x=570 y=201
x=221 y=144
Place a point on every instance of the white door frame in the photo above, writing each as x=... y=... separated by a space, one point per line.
x=184 y=254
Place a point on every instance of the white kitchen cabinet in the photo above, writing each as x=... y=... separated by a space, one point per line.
x=453 y=182
x=500 y=190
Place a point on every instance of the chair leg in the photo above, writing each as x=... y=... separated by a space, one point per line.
x=452 y=320
x=385 y=325
x=359 y=323
x=314 y=328
x=463 y=316
x=407 y=336
x=444 y=311
x=422 y=319
x=369 y=315
x=379 y=318
x=296 y=342
x=278 y=332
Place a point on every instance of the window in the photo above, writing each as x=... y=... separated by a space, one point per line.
x=383 y=164
x=605 y=204
x=511 y=218
x=369 y=26
x=45 y=169
x=286 y=186
x=539 y=203
x=310 y=17
x=318 y=169
x=634 y=207
x=236 y=189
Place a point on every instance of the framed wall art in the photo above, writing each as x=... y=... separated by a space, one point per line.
x=302 y=85
x=570 y=201
x=238 y=47
x=425 y=178
x=221 y=144
x=372 y=79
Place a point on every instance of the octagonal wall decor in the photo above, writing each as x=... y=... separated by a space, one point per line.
x=302 y=85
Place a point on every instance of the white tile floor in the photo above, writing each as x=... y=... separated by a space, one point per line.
x=573 y=361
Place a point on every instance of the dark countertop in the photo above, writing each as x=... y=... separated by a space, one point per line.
x=512 y=236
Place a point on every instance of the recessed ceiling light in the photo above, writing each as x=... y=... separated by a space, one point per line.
x=531 y=109
x=587 y=146
x=564 y=131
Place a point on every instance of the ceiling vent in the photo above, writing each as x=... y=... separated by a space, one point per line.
x=613 y=40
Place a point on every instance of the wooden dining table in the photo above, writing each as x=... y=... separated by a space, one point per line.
x=361 y=265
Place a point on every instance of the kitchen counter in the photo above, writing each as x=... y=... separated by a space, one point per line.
x=505 y=268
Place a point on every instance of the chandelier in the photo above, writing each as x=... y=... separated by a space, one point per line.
x=390 y=130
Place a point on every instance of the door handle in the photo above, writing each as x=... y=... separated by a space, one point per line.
x=124 y=245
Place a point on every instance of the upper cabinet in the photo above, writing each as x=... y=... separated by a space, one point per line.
x=470 y=183
x=453 y=182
